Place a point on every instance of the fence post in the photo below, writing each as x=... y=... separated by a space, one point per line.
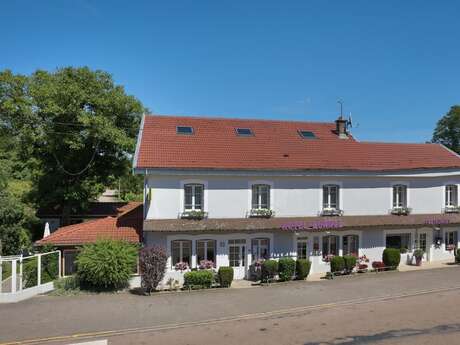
x=39 y=271
x=13 y=276
x=60 y=265
x=20 y=273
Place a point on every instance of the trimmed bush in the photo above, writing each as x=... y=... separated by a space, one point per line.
x=106 y=264
x=198 y=279
x=302 y=268
x=350 y=262
x=269 y=270
x=225 y=276
x=337 y=264
x=457 y=256
x=152 y=266
x=286 y=269
x=391 y=257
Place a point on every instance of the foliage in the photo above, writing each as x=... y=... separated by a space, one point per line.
x=269 y=270
x=302 y=268
x=225 y=275
x=457 y=256
x=448 y=128
x=378 y=265
x=418 y=253
x=198 y=279
x=261 y=212
x=286 y=269
x=206 y=264
x=152 y=265
x=49 y=269
x=66 y=286
x=391 y=257
x=106 y=264
x=337 y=264
x=350 y=262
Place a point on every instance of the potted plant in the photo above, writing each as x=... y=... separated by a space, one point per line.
x=418 y=254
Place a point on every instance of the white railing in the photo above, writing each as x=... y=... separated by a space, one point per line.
x=21 y=276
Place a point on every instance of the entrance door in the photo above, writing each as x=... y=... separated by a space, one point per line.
x=237 y=257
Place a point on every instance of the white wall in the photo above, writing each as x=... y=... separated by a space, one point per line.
x=229 y=196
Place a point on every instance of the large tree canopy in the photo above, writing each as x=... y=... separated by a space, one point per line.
x=447 y=131
x=75 y=127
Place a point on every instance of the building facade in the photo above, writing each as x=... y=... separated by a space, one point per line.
x=238 y=191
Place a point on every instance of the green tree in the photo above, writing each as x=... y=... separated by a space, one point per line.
x=77 y=124
x=447 y=131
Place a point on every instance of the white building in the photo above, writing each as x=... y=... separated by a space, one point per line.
x=233 y=191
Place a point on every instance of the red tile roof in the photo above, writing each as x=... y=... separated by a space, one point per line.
x=276 y=145
x=126 y=226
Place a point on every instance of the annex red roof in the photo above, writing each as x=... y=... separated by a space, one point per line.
x=126 y=226
x=275 y=145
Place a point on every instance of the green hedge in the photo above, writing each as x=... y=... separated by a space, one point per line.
x=269 y=270
x=286 y=269
x=457 y=256
x=350 y=262
x=198 y=279
x=391 y=257
x=337 y=264
x=225 y=275
x=302 y=268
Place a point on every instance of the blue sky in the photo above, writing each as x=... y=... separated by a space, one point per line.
x=395 y=64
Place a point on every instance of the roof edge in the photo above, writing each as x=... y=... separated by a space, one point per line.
x=138 y=142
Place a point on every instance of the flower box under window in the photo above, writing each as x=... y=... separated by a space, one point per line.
x=328 y=212
x=452 y=209
x=193 y=214
x=261 y=213
x=400 y=211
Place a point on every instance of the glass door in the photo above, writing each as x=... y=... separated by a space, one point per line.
x=237 y=257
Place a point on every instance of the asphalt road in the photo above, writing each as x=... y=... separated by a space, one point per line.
x=385 y=308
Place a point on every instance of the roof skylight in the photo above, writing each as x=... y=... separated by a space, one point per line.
x=244 y=132
x=307 y=134
x=184 y=130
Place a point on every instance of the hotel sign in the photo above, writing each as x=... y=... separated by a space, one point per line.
x=436 y=221
x=317 y=225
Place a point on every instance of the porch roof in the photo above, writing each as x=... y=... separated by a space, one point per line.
x=312 y=224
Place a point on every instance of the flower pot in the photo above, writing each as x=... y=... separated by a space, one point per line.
x=418 y=261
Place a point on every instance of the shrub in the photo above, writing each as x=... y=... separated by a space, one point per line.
x=106 y=264
x=286 y=269
x=198 y=279
x=418 y=254
x=457 y=256
x=302 y=268
x=152 y=266
x=378 y=265
x=337 y=264
x=350 y=262
x=225 y=275
x=269 y=270
x=391 y=257
x=66 y=286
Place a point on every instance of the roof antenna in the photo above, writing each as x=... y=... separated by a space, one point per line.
x=341 y=108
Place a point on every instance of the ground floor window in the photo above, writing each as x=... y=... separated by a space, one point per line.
x=237 y=253
x=181 y=251
x=260 y=248
x=302 y=248
x=422 y=242
x=351 y=245
x=330 y=245
x=399 y=241
x=451 y=240
x=206 y=250
x=70 y=266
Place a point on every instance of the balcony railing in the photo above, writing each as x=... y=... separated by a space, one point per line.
x=400 y=211
x=331 y=212
x=193 y=214
x=261 y=213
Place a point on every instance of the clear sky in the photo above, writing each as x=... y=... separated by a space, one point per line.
x=395 y=64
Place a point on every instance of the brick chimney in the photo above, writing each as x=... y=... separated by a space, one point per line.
x=341 y=127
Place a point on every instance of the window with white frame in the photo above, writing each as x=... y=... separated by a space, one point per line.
x=181 y=251
x=193 y=197
x=206 y=250
x=331 y=197
x=261 y=196
x=330 y=245
x=422 y=241
x=451 y=195
x=302 y=248
x=351 y=245
x=399 y=196
x=451 y=240
x=260 y=248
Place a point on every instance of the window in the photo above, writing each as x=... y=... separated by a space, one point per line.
x=330 y=245
x=399 y=196
x=422 y=242
x=399 y=241
x=307 y=134
x=206 y=250
x=244 y=132
x=237 y=253
x=181 y=251
x=331 y=197
x=260 y=196
x=260 y=248
x=451 y=195
x=451 y=240
x=351 y=245
x=316 y=250
x=193 y=197
x=302 y=248
x=187 y=130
